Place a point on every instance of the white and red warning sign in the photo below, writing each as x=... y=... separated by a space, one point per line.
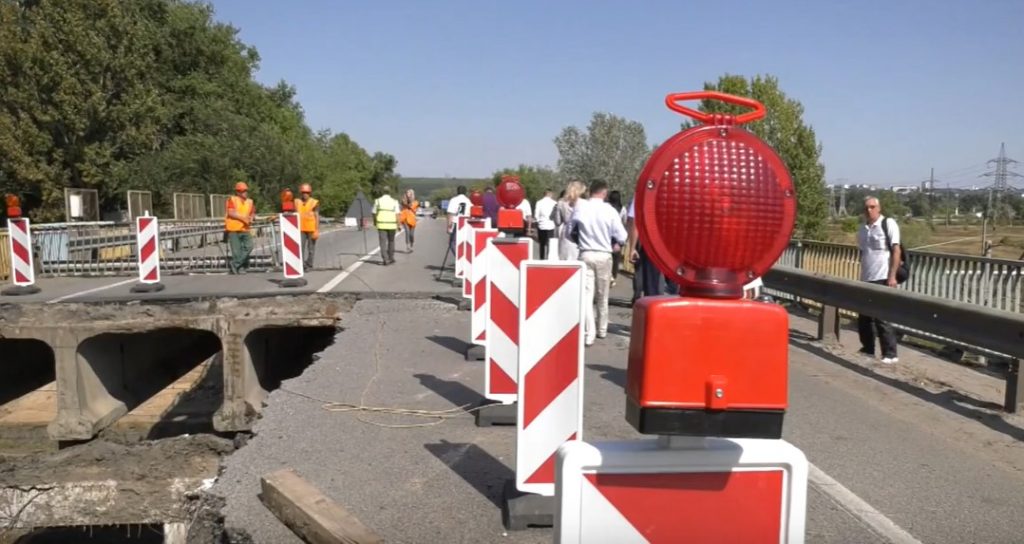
x=502 y=346
x=470 y=225
x=478 y=271
x=20 y=238
x=148 y=238
x=291 y=245
x=550 y=373
x=743 y=490
x=460 y=249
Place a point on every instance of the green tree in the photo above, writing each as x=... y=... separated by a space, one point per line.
x=611 y=148
x=784 y=129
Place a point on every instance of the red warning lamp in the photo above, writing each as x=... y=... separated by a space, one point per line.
x=13 y=206
x=287 y=201
x=715 y=209
x=510 y=195
x=476 y=198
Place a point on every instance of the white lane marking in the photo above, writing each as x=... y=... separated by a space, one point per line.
x=345 y=273
x=859 y=509
x=93 y=290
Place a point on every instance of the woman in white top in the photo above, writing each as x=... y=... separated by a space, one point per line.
x=567 y=249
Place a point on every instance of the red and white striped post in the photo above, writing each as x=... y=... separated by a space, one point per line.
x=23 y=273
x=478 y=270
x=460 y=248
x=291 y=251
x=550 y=385
x=681 y=489
x=147 y=236
x=502 y=347
x=470 y=227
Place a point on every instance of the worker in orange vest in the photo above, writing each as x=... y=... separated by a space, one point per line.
x=407 y=219
x=238 y=220
x=309 y=223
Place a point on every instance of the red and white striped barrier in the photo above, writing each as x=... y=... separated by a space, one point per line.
x=471 y=225
x=502 y=346
x=550 y=375
x=147 y=235
x=478 y=270
x=460 y=247
x=662 y=490
x=23 y=271
x=291 y=250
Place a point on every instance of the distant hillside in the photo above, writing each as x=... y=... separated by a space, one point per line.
x=425 y=186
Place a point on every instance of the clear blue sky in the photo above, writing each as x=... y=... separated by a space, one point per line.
x=462 y=88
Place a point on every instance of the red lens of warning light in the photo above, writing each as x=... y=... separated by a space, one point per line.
x=13 y=206
x=476 y=198
x=510 y=192
x=715 y=208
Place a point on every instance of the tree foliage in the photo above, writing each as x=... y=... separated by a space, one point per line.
x=782 y=128
x=611 y=148
x=154 y=95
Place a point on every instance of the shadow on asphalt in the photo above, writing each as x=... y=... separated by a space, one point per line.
x=611 y=373
x=454 y=392
x=949 y=399
x=450 y=342
x=473 y=464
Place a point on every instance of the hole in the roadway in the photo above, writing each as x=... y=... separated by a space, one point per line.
x=26 y=365
x=283 y=353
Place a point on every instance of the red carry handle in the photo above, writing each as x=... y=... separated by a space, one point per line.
x=672 y=99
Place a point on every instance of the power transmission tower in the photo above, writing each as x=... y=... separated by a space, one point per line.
x=1001 y=179
x=842 y=201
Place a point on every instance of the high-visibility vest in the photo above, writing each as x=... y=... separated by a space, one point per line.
x=241 y=207
x=386 y=217
x=307 y=214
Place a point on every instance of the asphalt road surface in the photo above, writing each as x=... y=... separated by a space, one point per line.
x=914 y=453
x=918 y=453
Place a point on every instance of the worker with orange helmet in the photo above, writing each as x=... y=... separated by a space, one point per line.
x=238 y=224
x=309 y=223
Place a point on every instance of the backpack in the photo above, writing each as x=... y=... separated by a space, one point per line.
x=903 y=272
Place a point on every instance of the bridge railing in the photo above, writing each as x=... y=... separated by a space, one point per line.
x=996 y=330
x=106 y=248
x=990 y=283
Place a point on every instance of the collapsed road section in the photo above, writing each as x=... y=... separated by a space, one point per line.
x=123 y=378
x=109 y=358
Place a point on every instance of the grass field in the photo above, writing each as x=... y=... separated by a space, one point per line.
x=960 y=239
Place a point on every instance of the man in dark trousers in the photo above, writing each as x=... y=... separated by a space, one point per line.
x=879 y=243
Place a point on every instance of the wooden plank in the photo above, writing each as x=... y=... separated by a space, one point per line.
x=309 y=513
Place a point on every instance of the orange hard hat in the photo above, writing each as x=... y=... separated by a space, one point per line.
x=241 y=186
x=305 y=188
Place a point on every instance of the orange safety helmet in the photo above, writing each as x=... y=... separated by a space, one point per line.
x=241 y=187
x=305 y=188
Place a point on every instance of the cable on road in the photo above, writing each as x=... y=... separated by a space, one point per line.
x=361 y=408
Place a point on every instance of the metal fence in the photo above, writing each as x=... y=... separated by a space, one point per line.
x=106 y=249
x=140 y=203
x=190 y=206
x=81 y=204
x=992 y=283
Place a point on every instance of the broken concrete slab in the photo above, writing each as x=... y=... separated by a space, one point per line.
x=104 y=353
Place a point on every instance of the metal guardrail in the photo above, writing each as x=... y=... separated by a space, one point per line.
x=98 y=249
x=998 y=330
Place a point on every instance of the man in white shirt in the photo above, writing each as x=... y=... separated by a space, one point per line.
x=879 y=243
x=545 y=222
x=600 y=233
x=457 y=206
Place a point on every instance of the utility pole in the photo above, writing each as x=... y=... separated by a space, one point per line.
x=1001 y=181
